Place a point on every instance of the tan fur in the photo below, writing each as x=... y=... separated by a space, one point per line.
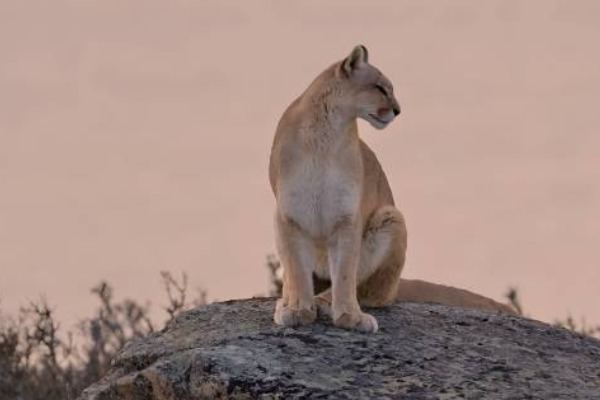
x=335 y=213
x=417 y=291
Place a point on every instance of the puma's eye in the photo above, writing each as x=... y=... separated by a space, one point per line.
x=381 y=89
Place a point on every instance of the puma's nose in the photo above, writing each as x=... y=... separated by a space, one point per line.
x=396 y=111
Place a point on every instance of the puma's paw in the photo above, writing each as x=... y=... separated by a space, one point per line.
x=323 y=305
x=287 y=316
x=359 y=321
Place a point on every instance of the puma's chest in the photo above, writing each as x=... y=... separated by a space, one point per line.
x=316 y=196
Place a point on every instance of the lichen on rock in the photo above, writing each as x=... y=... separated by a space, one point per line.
x=233 y=350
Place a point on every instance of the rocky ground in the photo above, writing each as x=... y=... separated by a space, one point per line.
x=232 y=350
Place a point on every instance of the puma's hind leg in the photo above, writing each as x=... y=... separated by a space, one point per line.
x=382 y=257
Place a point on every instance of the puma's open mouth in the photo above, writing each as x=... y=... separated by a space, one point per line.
x=378 y=119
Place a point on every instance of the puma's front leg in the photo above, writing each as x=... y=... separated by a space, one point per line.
x=297 y=254
x=344 y=251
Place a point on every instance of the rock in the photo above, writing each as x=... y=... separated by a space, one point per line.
x=233 y=350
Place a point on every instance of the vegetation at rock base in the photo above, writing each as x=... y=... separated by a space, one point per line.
x=512 y=295
x=41 y=360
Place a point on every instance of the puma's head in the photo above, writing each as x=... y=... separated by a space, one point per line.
x=367 y=92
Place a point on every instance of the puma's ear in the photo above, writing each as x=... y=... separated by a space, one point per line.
x=357 y=59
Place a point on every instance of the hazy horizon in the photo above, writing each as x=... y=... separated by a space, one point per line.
x=134 y=138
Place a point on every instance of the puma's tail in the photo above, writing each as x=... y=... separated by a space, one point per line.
x=417 y=291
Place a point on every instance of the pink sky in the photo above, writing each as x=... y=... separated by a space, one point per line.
x=134 y=137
